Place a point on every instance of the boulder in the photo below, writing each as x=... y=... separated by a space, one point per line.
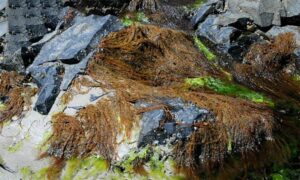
x=210 y=7
x=264 y=12
x=76 y=42
x=158 y=125
x=221 y=35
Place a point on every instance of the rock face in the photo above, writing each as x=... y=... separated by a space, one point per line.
x=175 y=118
x=65 y=55
x=29 y=21
x=237 y=24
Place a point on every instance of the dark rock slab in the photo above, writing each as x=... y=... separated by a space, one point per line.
x=48 y=78
x=157 y=126
x=73 y=44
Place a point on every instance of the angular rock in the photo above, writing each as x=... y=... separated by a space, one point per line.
x=158 y=125
x=264 y=12
x=48 y=79
x=74 y=43
x=71 y=71
x=216 y=33
x=205 y=10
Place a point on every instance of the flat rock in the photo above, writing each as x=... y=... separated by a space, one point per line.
x=73 y=44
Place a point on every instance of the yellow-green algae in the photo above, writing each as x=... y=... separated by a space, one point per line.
x=139 y=17
x=82 y=169
x=28 y=174
x=43 y=146
x=209 y=55
x=16 y=147
x=156 y=167
x=228 y=88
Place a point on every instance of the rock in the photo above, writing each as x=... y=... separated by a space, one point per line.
x=29 y=20
x=3 y=28
x=71 y=71
x=205 y=10
x=292 y=7
x=264 y=12
x=74 y=43
x=159 y=125
x=48 y=79
x=3 y=4
x=216 y=33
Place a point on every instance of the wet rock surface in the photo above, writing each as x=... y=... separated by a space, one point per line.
x=70 y=50
x=172 y=120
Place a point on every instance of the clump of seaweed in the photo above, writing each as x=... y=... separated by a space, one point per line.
x=92 y=131
x=264 y=68
x=153 y=55
x=146 y=62
x=14 y=95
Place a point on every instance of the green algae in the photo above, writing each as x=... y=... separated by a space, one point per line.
x=196 y=4
x=2 y=107
x=43 y=146
x=16 y=147
x=208 y=54
x=82 y=169
x=138 y=18
x=228 y=88
x=26 y=173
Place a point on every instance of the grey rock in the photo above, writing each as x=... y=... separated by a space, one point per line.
x=216 y=33
x=3 y=28
x=292 y=7
x=3 y=4
x=48 y=78
x=264 y=12
x=156 y=125
x=205 y=10
x=71 y=71
x=29 y=20
x=73 y=44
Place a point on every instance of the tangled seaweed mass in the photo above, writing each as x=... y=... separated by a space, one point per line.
x=150 y=89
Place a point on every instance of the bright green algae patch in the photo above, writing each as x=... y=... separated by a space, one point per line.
x=83 y=169
x=209 y=55
x=139 y=17
x=229 y=89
